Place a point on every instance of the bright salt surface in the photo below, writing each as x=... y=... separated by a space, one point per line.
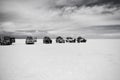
x=94 y=60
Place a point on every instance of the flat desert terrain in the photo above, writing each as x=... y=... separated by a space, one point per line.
x=98 y=59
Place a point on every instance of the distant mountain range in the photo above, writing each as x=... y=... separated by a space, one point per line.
x=96 y=32
x=24 y=33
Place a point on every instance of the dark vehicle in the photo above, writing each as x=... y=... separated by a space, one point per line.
x=35 y=39
x=47 y=40
x=29 y=40
x=59 y=39
x=81 y=40
x=13 y=39
x=5 y=40
x=70 y=40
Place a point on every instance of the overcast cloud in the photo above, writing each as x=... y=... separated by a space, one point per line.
x=63 y=17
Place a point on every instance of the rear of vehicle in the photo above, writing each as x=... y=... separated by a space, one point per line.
x=5 y=40
x=47 y=40
x=70 y=40
x=60 y=40
x=30 y=40
x=81 y=40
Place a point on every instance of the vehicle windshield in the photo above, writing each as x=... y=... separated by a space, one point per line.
x=29 y=38
x=69 y=38
x=6 y=38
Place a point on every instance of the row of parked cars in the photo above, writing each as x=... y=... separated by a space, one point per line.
x=59 y=39
x=70 y=40
x=7 y=40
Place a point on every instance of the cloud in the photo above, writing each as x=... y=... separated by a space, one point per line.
x=59 y=16
x=101 y=31
x=7 y=26
x=79 y=3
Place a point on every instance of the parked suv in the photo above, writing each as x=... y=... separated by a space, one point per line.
x=5 y=40
x=59 y=39
x=29 y=40
x=70 y=40
x=47 y=40
x=81 y=40
x=13 y=39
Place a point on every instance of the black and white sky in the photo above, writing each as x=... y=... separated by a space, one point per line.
x=88 y=18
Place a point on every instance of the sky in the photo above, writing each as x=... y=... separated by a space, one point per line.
x=87 y=18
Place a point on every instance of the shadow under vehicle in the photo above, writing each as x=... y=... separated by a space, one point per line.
x=70 y=40
x=81 y=40
x=47 y=40
x=5 y=40
x=59 y=39
x=29 y=40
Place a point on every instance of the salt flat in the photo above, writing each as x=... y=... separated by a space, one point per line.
x=98 y=59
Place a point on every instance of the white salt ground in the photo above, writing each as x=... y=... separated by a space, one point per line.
x=98 y=59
